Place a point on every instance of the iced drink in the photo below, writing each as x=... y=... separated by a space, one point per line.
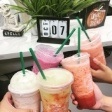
x=24 y=90
x=82 y=86
x=95 y=49
x=46 y=58
x=55 y=90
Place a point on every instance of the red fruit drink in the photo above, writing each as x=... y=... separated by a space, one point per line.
x=46 y=58
x=95 y=49
x=82 y=87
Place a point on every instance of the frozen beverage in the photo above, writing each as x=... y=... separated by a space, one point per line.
x=95 y=49
x=25 y=91
x=55 y=90
x=82 y=86
x=46 y=58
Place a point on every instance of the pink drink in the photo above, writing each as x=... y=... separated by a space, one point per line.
x=82 y=87
x=95 y=49
x=46 y=58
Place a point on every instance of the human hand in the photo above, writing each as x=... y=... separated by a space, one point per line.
x=6 y=105
x=98 y=95
x=104 y=74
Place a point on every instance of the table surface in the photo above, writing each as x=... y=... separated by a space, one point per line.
x=11 y=46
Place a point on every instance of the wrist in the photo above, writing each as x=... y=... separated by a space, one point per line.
x=106 y=104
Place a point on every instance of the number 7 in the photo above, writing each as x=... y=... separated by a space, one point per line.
x=62 y=29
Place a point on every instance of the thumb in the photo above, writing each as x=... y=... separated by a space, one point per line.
x=96 y=74
x=7 y=96
x=93 y=72
x=102 y=66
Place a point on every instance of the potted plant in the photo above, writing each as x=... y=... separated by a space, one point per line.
x=54 y=8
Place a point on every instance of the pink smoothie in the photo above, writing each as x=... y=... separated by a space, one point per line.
x=46 y=58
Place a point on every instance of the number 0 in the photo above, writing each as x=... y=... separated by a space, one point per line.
x=54 y=29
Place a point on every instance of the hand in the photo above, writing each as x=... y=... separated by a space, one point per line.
x=99 y=97
x=104 y=74
x=6 y=105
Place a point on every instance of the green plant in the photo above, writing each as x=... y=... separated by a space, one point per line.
x=56 y=8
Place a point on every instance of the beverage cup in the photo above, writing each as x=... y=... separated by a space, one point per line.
x=95 y=49
x=55 y=90
x=46 y=58
x=24 y=91
x=82 y=86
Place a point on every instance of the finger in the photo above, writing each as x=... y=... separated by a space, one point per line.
x=75 y=102
x=7 y=102
x=97 y=76
x=7 y=97
x=93 y=72
x=72 y=97
x=102 y=66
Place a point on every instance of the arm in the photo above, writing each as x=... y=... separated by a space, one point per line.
x=104 y=74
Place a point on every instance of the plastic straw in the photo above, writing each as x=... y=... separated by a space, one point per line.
x=83 y=28
x=37 y=63
x=59 y=49
x=22 y=63
x=78 y=42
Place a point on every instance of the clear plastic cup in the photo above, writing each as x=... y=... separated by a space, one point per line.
x=95 y=49
x=55 y=90
x=24 y=91
x=46 y=58
x=82 y=86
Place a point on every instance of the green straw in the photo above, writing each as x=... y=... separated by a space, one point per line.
x=83 y=28
x=37 y=63
x=22 y=63
x=59 y=49
x=78 y=42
